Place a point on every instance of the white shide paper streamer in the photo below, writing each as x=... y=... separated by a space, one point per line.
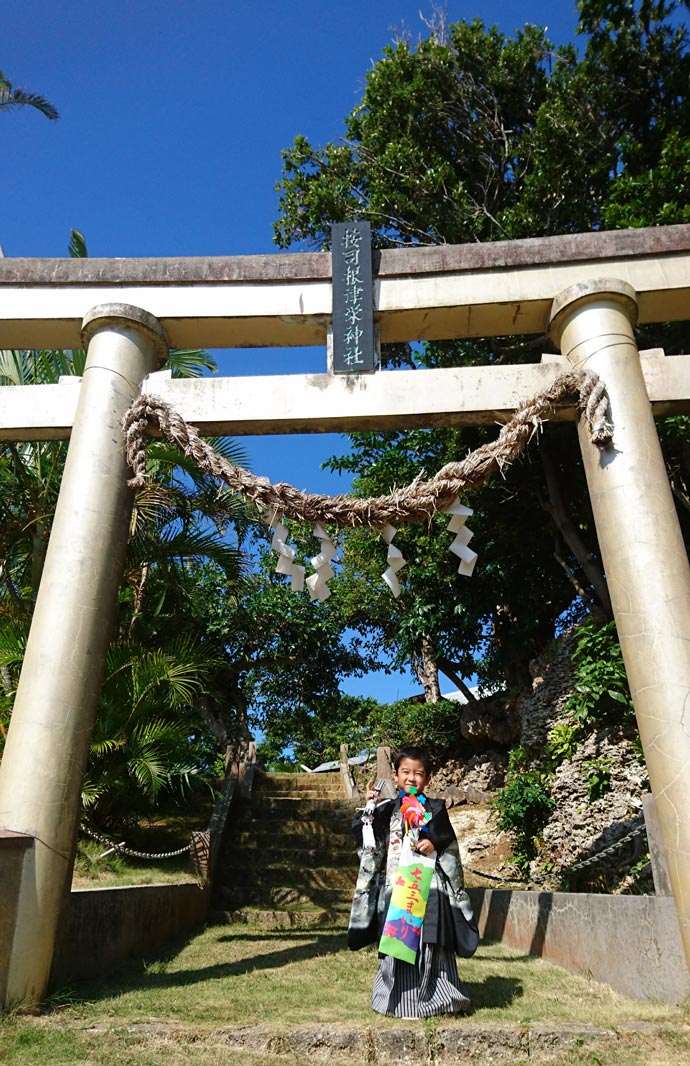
x=317 y=584
x=286 y=555
x=459 y=515
x=395 y=560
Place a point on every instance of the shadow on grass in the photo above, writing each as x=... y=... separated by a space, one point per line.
x=138 y=976
x=493 y=992
x=285 y=934
x=490 y=993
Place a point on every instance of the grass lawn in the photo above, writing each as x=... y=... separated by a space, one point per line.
x=94 y=869
x=172 y=1009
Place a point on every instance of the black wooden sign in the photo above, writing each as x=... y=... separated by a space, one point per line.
x=353 y=298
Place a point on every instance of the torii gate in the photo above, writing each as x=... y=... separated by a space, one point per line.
x=587 y=289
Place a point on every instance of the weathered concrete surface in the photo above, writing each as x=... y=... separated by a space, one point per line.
x=104 y=927
x=447 y=1043
x=487 y=290
x=13 y=847
x=643 y=554
x=459 y=1042
x=47 y=745
x=315 y=403
x=630 y=942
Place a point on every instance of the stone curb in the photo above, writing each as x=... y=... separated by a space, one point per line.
x=447 y=1045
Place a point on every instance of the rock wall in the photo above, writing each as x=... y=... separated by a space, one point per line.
x=597 y=789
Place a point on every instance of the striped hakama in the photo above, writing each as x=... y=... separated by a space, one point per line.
x=431 y=986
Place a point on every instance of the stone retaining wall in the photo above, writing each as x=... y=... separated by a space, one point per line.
x=104 y=927
x=630 y=942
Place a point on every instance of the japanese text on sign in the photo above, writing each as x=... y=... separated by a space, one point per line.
x=353 y=325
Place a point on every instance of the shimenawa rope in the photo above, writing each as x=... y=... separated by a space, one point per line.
x=415 y=502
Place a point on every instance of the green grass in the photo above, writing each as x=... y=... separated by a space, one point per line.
x=93 y=869
x=232 y=976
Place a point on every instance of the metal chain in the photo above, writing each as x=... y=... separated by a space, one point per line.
x=599 y=855
x=129 y=851
x=591 y=860
x=491 y=877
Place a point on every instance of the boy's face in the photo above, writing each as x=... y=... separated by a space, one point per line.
x=411 y=773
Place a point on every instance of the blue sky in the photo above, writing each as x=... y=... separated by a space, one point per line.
x=173 y=117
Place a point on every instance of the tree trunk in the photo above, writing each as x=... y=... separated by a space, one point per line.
x=448 y=669
x=138 y=599
x=39 y=546
x=427 y=671
x=556 y=507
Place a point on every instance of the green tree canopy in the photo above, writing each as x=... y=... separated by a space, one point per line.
x=469 y=135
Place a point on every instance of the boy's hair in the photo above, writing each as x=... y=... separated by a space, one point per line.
x=418 y=754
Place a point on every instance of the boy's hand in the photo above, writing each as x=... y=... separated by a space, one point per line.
x=425 y=847
x=371 y=792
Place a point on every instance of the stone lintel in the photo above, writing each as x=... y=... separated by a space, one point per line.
x=309 y=403
x=420 y=293
x=392 y=262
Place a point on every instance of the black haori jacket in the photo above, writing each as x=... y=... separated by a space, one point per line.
x=448 y=920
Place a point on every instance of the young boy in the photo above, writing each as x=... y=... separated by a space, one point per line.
x=431 y=985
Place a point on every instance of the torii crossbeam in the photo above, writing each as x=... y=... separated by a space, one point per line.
x=586 y=289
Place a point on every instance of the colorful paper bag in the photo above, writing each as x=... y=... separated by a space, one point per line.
x=403 y=927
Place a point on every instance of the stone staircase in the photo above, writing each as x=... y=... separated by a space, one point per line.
x=288 y=856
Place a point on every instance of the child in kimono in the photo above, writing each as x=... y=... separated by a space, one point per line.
x=430 y=985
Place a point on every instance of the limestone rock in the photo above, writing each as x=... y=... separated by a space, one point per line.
x=492 y=720
x=582 y=823
x=552 y=684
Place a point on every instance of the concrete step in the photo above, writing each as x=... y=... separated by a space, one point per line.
x=289 y=857
x=288 y=876
x=231 y=897
x=285 y=801
x=276 y=918
x=291 y=813
x=292 y=835
x=258 y=858
x=302 y=794
x=289 y=781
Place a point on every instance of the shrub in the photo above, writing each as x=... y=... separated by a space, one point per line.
x=562 y=744
x=432 y=726
x=598 y=777
x=523 y=804
x=601 y=693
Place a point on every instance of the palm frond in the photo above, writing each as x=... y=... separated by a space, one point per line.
x=11 y=97
x=36 y=366
x=167 y=678
x=175 y=546
x=11 y=367
x=190 y=362
x=77 y=245
x=13 y=639
x=232 y=450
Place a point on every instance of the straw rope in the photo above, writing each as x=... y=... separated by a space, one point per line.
x=415 y=502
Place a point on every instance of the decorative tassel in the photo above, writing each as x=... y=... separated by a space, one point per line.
x=459 y=515
x=317 y=586
x=368 y=838
x=395 y=560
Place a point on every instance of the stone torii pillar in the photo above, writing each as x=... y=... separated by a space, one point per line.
x=643 y=554
x=48 y=739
